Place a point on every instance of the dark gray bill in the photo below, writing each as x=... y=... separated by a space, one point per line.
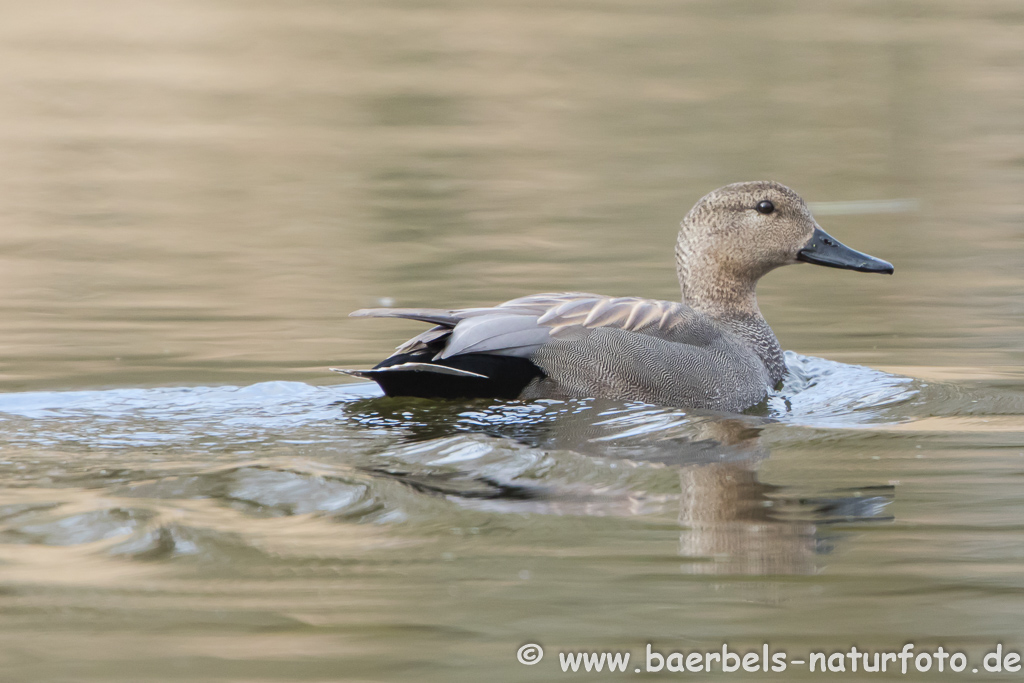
x=824 y=250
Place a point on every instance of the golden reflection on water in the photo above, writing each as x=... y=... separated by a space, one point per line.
x=201 y=192
x=954 y=373
x=935 y=425
x=197 y=193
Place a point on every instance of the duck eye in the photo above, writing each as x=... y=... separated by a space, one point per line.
x=765 y=207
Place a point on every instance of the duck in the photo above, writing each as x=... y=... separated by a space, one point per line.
x=713 y=350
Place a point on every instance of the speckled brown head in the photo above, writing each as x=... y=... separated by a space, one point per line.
x=736 y=234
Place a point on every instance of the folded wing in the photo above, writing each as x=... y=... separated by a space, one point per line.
x=520 y=326
x=498 y=351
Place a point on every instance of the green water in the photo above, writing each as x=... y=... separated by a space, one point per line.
x=193 y=195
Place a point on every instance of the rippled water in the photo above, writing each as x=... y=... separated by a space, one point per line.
x=184 y=471
x=194 y=195
x=327 y=530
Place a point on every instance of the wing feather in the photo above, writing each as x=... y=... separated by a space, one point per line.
x=424 y=339
x=428 y=315
x=521 y=326
x=513 y=334
x=597 y=313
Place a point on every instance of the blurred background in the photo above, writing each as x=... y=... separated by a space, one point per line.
x=201 y=192
x=194 y=195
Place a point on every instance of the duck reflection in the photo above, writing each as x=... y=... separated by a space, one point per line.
x=733 y=523
x=743 y=526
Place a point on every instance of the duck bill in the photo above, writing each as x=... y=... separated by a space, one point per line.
x=824 y=250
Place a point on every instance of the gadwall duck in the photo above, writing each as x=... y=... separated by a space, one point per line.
x=712 y=351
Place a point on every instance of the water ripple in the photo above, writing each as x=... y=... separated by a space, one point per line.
x=287 y=449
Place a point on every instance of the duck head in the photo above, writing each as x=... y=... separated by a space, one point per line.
x=736 y=234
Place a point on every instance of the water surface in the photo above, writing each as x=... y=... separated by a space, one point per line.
x=194 y=195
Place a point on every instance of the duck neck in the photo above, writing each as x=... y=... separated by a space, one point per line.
x=732 y=301
x=713 y=287
x=721 y=298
